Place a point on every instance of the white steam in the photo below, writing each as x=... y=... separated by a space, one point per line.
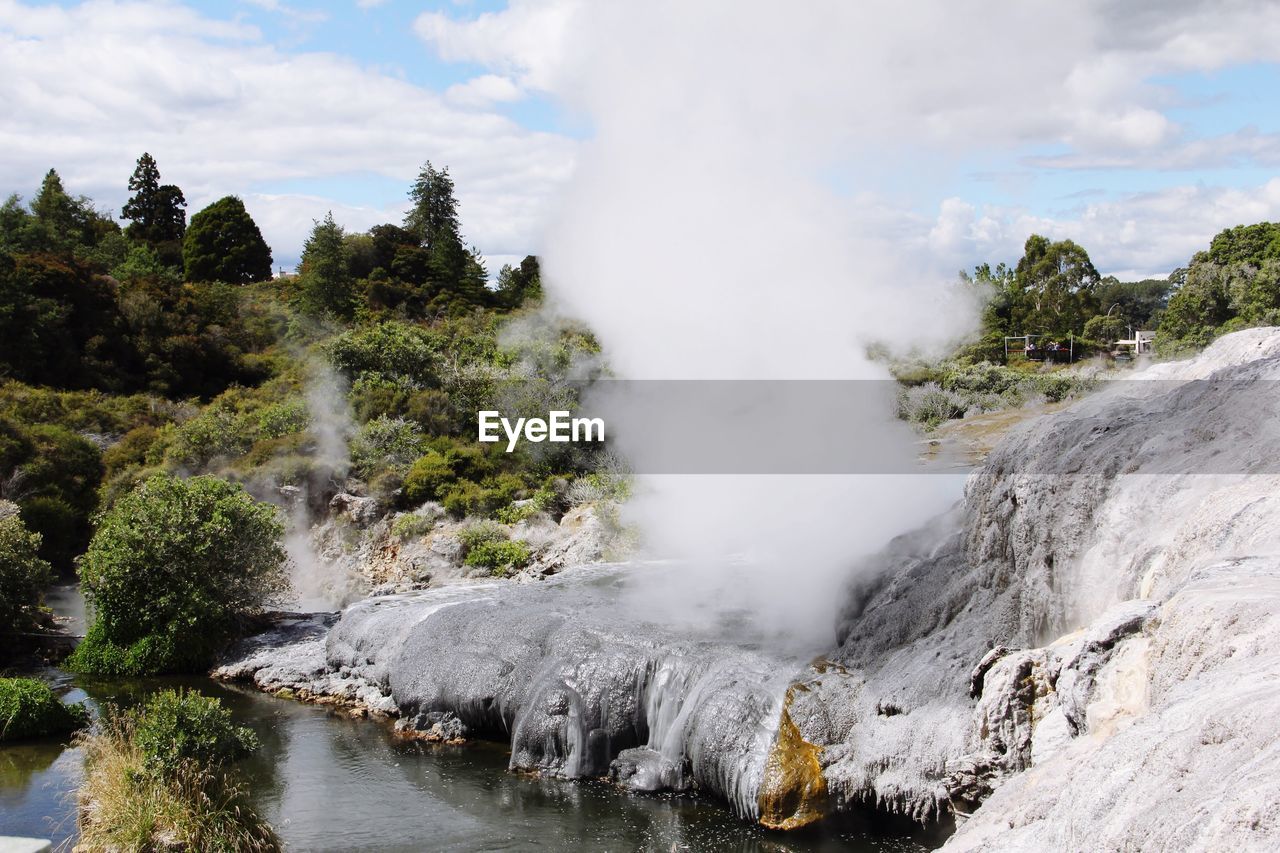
x=319 y=583
x=709 y=233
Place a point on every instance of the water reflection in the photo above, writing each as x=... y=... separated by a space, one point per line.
x=327 y=782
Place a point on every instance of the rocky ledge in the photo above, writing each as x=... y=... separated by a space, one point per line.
x=1084 y=654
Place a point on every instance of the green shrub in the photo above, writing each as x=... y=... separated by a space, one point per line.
x=217 y=433
x=281 y=419
x=176 y=726
x=387 y=443
x=470 y=498
x=409 y=525
x=175 y=568
x=606 y=484
x=543 y=500
x=428 y=479
x=500 y=558
x=131 y=450
x=482 y=533
x=62 y=530
x=930 y=404
x=138 y=798
x=393 y=351
x=28 y=708
x=22 y=573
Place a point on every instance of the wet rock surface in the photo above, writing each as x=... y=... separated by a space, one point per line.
x=1085 y=649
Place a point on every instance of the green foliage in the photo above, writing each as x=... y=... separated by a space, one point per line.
x=500 y=558
x=1233 y=285
x=542 y=500
x=436 y=474
x=158 y=211
x=233 y=425
x=393 y=352
x=466 y=497
x=518 y=285
x=933 y=394
x=481 y=533
x=173 y=571
x=28 y=708
x=387 y=443
x=428 y=479
x=23 y=575
x=606 y=484
x=59 y=324
x=409 y=525
x=53 y=473
x=488 y=546
x=1244 y=244
x=433 y=217
x=174 y=727
x=154 y=781
x=325 y=273
x=224 y=244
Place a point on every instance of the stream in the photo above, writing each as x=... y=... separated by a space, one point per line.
x=326 y=781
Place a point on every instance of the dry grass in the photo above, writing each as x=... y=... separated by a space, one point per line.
x=124 y=806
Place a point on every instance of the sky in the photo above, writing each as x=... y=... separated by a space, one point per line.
x=1137 y=128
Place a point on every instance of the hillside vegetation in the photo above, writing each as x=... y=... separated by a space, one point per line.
x=167 y=349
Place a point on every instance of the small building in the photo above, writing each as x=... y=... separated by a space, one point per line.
x=1141 y=343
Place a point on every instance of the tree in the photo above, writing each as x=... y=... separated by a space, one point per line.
x=223 y=243
x=157 y=210
x=174 y=570
x=22 y=573
x=518 y=285
x=54 y=210
x=434 y=215
x=326 y=276
x=433 y=221
x=1054 y=288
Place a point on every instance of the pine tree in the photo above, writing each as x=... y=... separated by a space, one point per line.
x=56 y=213
x=433 y=219
x=326 y=272
x=157 y=210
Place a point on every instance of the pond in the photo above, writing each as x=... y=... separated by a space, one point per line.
x=327 y=781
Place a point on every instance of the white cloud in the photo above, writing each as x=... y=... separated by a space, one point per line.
x=88 y=89
x=528 y=39
x=972 y=74
x=484 y=91
x=1133 y=236
x=291 y=13
x=886 y=88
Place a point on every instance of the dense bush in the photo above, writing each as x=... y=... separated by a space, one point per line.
x=934 y=393
x=500 y=558
x=488 y=546
x=172 y=572
x=28 y=708
x=23 y=575
x=387 y=443
x=177 y=726
x=394 y=352
x=154 y=780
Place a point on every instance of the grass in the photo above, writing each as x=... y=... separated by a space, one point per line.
x=127 y=802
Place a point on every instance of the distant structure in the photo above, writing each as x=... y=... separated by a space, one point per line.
x=1141 y=343
x=1034 y=348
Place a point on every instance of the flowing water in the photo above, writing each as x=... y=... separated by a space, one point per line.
x=329 y=782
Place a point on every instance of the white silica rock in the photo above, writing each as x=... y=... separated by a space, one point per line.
x=1084 y=654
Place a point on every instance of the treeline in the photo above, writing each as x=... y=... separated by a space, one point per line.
x=113 y=340
x=138 y=359
x=1055 y=292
